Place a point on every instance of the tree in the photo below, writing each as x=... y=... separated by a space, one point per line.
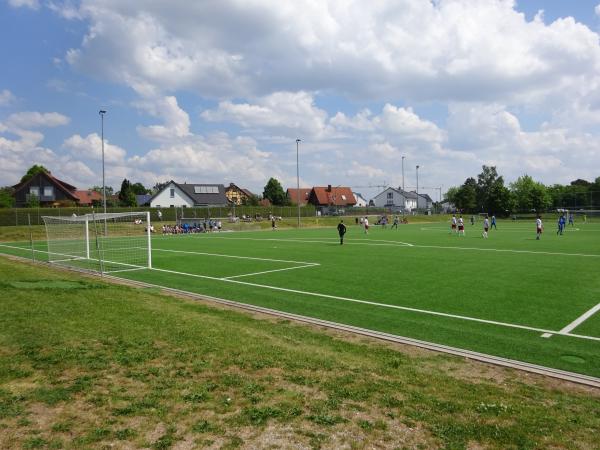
x=530 y=195
x=159 y=186
x=275 y=193
x=450 y=195
x=33 y=171
x=33 y=201
x=6 y=197
x=466 y=196
x=109 y=190
x=492 y=196
x=252 y=200
x=139 y=189
x=126 y=194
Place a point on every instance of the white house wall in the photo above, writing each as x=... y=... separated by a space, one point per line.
x=164 y=199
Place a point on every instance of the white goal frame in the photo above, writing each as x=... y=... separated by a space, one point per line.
x=100 y=242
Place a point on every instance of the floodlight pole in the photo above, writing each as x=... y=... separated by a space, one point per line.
x=102 y=112
x=403 y=173
x=417 y=188
x=298 y=180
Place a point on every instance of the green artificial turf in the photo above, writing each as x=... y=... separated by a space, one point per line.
x=510 y=278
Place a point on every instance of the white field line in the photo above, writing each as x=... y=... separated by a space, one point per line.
x=126 y=270
x=72 y=258
x=234 y=256
x=68 y=259
x=480 y=225
x=383 y=305
x=405 y=244
x=373 y=243
x=269 y=271
x=585 y=316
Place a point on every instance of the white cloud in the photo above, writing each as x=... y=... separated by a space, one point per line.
x=597 y=10
x=287 y=112
x=177 y=121
x=33 y=119
x=6 y=97
x=90 y=148
x=31 y=4
x=455 y=50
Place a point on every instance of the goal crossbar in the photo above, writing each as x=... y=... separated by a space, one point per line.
x=100 y=242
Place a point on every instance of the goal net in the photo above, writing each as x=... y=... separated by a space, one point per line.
x=105 y=243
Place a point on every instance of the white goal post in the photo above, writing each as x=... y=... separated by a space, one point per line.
x=105 y=243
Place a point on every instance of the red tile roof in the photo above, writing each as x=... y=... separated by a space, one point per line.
x=338 y=196
x=87 y=197
x=303 y=194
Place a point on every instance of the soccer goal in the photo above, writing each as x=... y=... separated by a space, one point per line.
x=105 y=243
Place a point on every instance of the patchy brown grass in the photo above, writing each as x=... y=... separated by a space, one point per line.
x=115 y=367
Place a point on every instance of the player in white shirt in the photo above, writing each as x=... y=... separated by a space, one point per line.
x=453 y=224
x=486 y=227
x=461 y=226
x=539 y=227
x=366 y=225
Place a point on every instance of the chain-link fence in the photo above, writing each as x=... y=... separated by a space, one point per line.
x=21 y=216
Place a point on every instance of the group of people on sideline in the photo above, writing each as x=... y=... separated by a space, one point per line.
x=207 y=226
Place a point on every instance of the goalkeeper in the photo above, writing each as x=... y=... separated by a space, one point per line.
x=341 y=231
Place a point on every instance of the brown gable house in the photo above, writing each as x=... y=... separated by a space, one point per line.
x=298 y=196
x=237 y=195
x=339 y=196
x=48 y=189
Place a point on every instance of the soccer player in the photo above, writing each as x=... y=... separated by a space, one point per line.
x=341 y=231
x=539 y=227
x=395 y=224
x=494 y=222
x=366 y=224
x=461 y=226
x=453 y=224
x=561 y=224
x=486 y=226
x=571 y=220
x=472 y=220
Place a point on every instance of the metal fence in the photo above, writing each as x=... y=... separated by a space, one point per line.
x=21 y=216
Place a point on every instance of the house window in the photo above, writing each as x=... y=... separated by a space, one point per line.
x=172 y=192
x=390 y=195
x=34 y=190
x=48 y=191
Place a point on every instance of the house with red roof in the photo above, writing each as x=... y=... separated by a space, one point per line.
x=328 y=197
x=298 y=196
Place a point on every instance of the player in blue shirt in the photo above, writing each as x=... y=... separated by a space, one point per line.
x=561 y=224
x=494 y=222
x=571 y=220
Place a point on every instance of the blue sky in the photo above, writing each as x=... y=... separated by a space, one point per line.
x=218 y=92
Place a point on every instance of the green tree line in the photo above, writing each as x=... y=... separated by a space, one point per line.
x=488 y=193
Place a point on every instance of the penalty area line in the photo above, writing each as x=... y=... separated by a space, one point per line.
x=382 y=305
x=570 y=327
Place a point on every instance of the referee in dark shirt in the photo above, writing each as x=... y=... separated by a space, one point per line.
x=341 y=230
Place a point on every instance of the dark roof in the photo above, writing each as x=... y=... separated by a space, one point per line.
x=198 y=195
x=196 y=192
x=67 y=188
x=143 y=199
x=427 y=197
x=247 y=192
